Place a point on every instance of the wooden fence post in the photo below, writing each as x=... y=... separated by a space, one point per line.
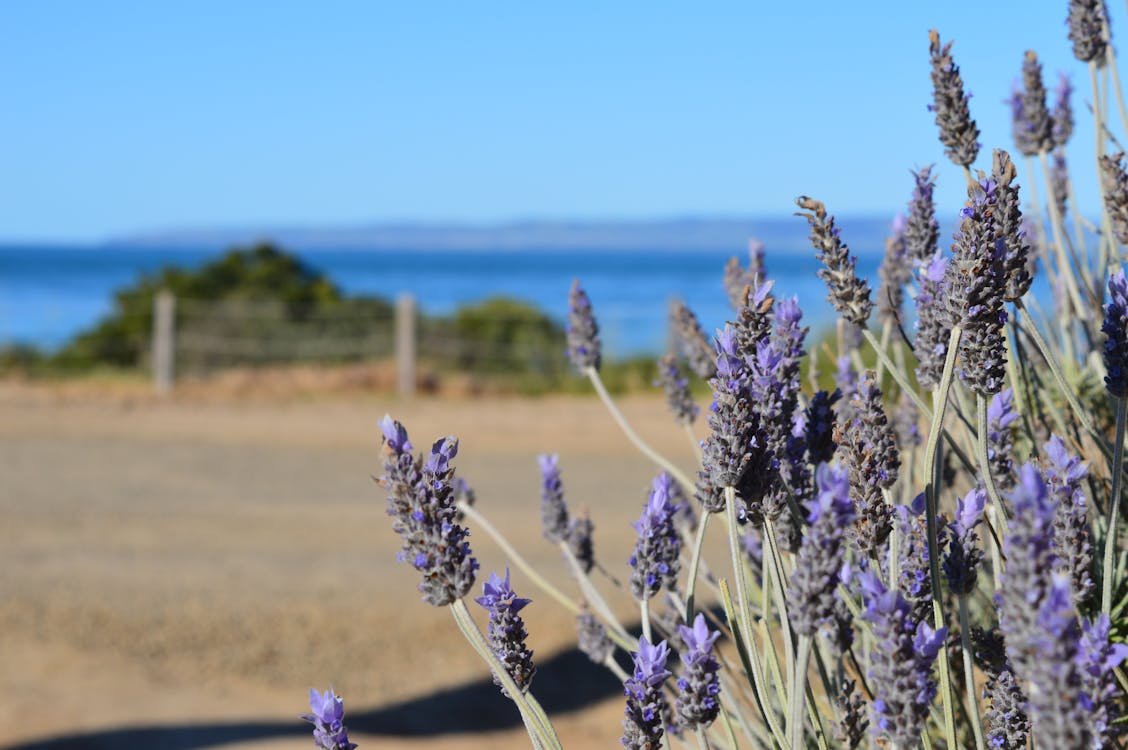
x=405 y=344
x=164 y=347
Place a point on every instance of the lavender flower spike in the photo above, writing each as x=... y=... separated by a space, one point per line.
x=958 y=132
x=1062 y=114
x=1114 y=186
x=1115 y=329
x=691 y=339
x=592 y=637
x=900 y=664
x=1001 y=415
x=961 y=562
x=1098 y=658
x=421 y=503
x=1009 y=226
x=814 y=582
x=1086 y=22
x=506 y=631
x=1064 y=474
x=655 y=558
x=894 y=272
x=646 y=704
x=554 y=511
x=975 y=281
x=933 y=326
x=584 y=348
x=699 y=687
x=678 y=398
x=1031 y=124
x=1059 y=715
x=868 y=448
x=922 y=231
x=327 y=714
x=849 y=294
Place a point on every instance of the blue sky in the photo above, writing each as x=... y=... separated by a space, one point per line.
x=122 y=117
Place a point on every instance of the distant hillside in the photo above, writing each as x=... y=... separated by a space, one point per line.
x=778 y=233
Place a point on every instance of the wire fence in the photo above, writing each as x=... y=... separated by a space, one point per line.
x=180 y=337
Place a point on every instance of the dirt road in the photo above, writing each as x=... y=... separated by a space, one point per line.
x=178 y=575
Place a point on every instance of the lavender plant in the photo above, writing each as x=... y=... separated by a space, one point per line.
x=840 y=587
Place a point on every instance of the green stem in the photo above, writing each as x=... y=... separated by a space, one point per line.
x=615 y=629
x=969 y=675
x=694 y=564
x=539 y=732
x=1113 y=506
x=538 y=580
x=775 y=568
x=984 y=459
x=931 y=494
x=644 y=608
x=1064 y=266
x=693 y=441
x=799 y=693
x=633 y=436
x=703 y=738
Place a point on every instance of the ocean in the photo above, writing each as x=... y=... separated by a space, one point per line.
x=49 y=294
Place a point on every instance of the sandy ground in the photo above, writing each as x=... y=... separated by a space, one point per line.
x=179 y=574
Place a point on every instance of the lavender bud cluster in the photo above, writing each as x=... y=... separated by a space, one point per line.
x=1009 y=226
x=678 y=398
x=1001 y=416
x=900 y=663
x=655 y=560
x=421 y=502
x=1115 y=329
x=694 y=345
x=327 y=714
x=958 y=132
x=646 y=704
x=1086 y=22
x=506 y=631
x=975 y=284
x=922 y=231
x=814 y=582
x=933 y=326
x=849 y=294
x=553 y=508
x=584 y=347
x=736 y=278
x=963 y=555
x=914 y=582
x=592 y=637
x=1064 y=474
x=698 y=687
x=1030 y=120
x=1114 y=187
x=894 y=272
x=868 y=448
x=1062 y=115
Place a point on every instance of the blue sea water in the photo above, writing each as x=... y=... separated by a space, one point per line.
x=48 y=294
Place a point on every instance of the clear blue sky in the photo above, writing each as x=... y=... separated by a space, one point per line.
x=120 y=117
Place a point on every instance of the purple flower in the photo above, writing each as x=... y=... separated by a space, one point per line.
x=422 y=505
x=592 y=637
x=849 y=294
x=584 y=349
x=506 y=630
x=553 y=509
x=962 y=558
x=678 y=398
x=1009 y=226
x=1062 y=114
x=327 y=714
x=1000 y=442
x=1115 y=329
x=1064 y=474
x=819 y=420
x=933 y=326
x=822 y=552
x=1114 y=186
x=958 y=131
x=655 y=558
x=700 y=685
x=894 y=272
x=900 y=663
x=646 y=703
x=1030 y=120
x=1087 y=20
x=1097 y=658
x=868 y=448
x=922 y=231
x=1031 y=559
x=974 y=285
x=736 y=278
x=694 y=345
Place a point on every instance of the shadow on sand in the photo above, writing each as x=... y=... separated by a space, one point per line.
x=566 y=682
